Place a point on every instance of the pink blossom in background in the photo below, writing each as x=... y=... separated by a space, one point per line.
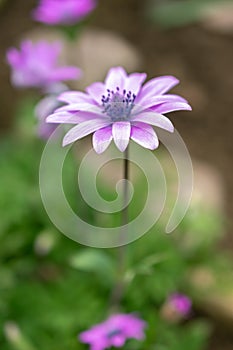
x=176 y=308
x=65 y=12
x=180 y=303
x=114 y=332
x=119 y=109
x=36 y=65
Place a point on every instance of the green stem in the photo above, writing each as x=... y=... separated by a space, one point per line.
x=121 y=250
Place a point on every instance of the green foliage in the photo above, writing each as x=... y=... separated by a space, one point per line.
x=52 y=288
x=95 y=261
x=178 y=13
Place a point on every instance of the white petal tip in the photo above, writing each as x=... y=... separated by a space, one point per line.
x=99 y=151
x=65 y=142
x=122 y=148
x=154 y=147
x=49 y=119
x=61 y=98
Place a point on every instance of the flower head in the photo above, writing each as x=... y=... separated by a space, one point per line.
x=177 y=307
x=180 y=303
x=36 y=65
x=119 y=109
x=114 y=332
x=65 y=12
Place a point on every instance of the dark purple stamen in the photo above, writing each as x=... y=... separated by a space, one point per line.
x=113 y=333
x=118 y=106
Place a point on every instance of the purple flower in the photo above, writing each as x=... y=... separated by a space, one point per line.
x=180 y=303
x=176 y=308
x=45 y=107
x=114 y=332
x=120 y=109
x=36 y=65
x=66 y=12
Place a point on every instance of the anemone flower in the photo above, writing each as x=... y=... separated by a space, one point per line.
x=36 y=65
x=114 y=332
x=119 y=109
x=64 y=12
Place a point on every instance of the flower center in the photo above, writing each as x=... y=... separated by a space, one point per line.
x=113 y=332
x=117 y=105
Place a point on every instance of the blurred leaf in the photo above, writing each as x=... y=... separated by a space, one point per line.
x=145 y=267
x=176 y=13
x=93 y=260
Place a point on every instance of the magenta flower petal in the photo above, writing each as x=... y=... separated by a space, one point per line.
x=157 y=86
x=121 y=134
x=13 y=57
x=171 y=107
x=155 y=119
x=65 y=12
x=65 y=73
x=181 y=303
x=36 y=65
x=118 y=341
x=96 y=91
x=83 y=129
x=102 y=139
x=115 y=78
x=144 y=135
x=114 y=332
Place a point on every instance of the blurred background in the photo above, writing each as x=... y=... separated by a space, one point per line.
x=45 y=278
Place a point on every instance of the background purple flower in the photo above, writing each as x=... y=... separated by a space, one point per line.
x=66 y=12
x=114 y=332
x=180 y=303
x=36 y=65
x=120 y=109
x=176 y=308
x=45 y=107
x=42 y=110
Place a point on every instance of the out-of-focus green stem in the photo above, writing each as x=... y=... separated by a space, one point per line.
x=121 y=251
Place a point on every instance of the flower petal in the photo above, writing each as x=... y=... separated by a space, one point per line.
x=70 y=118
x=13 y=57
x=83 y=129
x=115 y=78
x=82 y=106
x=96 y=91
x=155 y=119
x=144 y=135
x=75 y=97
x=64 y=73
x=121 y=134
x=171 y=107
x=157 y=86
x=134 y=82
x=102 y=139
x=45 y=107
x=157 y=100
